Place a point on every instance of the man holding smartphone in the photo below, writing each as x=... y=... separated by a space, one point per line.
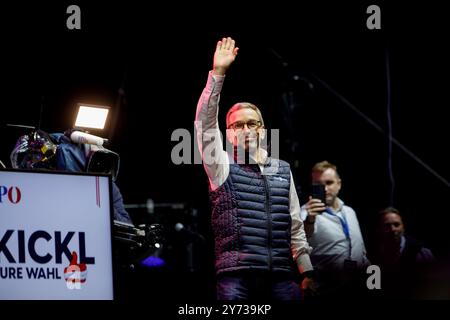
x=332 y=229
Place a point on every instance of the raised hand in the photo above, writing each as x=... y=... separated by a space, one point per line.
x=224 y=56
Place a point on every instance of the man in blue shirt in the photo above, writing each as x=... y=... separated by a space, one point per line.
x=332 y=230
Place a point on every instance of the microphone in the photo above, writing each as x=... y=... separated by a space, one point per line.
x=179 y=227
x=82 y=137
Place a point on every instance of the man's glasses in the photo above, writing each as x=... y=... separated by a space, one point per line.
x=251 y=124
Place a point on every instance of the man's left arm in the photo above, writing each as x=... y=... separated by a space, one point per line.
x=365 y=262
x=299 y=245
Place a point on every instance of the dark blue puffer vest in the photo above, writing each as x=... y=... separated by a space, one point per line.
x=251 y=220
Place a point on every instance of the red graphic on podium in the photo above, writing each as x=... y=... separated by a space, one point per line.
x=75 y=274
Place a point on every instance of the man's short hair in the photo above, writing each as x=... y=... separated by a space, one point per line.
x=244 y=105
x=320 y=167
x=387 y=210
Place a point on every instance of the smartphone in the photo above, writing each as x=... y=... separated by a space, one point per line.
x=318 y=192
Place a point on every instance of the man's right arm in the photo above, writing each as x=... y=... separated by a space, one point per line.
x=308 y=214
x=308 y=222
x=214 y=158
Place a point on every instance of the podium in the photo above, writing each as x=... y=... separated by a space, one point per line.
x=55 y=236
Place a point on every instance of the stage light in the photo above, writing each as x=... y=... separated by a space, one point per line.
x=153 y=262
x=91 y=116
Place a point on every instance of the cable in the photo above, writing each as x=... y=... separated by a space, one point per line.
x=391 y=139
x=378 y=128
x=389 y=123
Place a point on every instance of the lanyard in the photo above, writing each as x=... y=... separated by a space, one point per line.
x=345 y=227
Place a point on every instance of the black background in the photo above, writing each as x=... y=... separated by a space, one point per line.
x=161 y=54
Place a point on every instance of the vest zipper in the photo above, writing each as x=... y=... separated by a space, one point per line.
x=269 y=222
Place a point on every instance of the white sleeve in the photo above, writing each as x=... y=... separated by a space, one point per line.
x=299 y=245
x=215 y=159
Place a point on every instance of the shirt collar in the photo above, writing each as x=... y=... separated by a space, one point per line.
x=265 y=159
x=340 y=205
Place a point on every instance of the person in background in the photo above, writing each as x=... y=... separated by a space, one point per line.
x=404 y=261
x=332 y=229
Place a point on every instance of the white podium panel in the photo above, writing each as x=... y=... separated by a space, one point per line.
x=55 y=236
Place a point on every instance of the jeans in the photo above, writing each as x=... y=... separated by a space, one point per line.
x=256 y=285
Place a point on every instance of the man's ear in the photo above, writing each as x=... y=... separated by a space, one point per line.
x=340 y=184
x=262 y=132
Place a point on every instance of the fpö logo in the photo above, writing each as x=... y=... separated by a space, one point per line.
x=75 y=274
x=10 y=194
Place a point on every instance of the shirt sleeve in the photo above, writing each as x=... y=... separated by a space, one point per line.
x=209 y=139
x=355 y=230
x=120 y=213
x=299 y=245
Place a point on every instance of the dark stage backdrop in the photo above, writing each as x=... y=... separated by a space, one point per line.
x=160 y=56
